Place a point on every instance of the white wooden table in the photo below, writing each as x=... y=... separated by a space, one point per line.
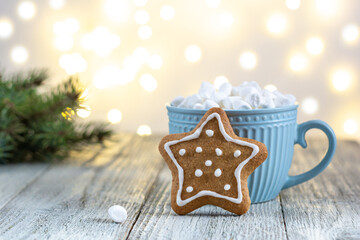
x=69 y=200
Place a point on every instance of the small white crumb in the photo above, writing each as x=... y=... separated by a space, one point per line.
x=117 y=213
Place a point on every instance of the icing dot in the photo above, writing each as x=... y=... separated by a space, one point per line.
x=189 y=189
x=198 y=173
x=227 y=187
x=217 y=172
x=210 y=133
x=237 y=153
x=198 y=149
x=208 y=163
x=218 y=151
x=182 y=152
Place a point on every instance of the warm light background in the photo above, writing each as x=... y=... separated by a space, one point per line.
x=134 y=88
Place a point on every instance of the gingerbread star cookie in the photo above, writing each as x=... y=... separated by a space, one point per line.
x=211 y=164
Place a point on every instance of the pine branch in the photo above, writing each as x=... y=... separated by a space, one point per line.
x=32 y=127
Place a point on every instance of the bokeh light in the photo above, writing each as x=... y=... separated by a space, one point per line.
x=310 y=105
x=19 y=54
x=213 y=3
x=144 y=130
x=219 y=80
x=114 y=116
x=117 y=10
x=141 y=17
x=140 y=3
x=270 y=87
x=26 y=10
x=56 y=4
x=314 y=46
x=341 y=79
x=67 y=27
x=83 y=112
x=145 y=32
x=293 y=4
x=226 y=20
x=277 y=24
x=167 y=12
x=155 y=61
x=193 y=53
x=112 y=75
x=73 y=63
x=248 y=60
x=64 y=42
x=101 y=41
x=131 y=64
x=148 y=82
x=327 y=7
x=141 y=55
x=350 y=33
x=351 y=126
x=298 y=62
x=6 y=28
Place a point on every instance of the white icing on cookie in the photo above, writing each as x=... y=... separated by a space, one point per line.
x=217 y=172
x=198 y=173
x=180 y=202
x=189 y=189
x=198 y=149
x=218 y=151
x=237 y=153
x=182 y=152
x=208 y=163
x=226 y=187
x=210 y=133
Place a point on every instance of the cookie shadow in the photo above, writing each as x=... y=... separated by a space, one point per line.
x=210 y=211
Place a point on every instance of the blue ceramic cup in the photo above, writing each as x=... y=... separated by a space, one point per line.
x=278 y=130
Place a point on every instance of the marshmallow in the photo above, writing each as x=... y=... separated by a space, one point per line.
x=248 y=95
x=267 y=94
x=198 y=106
x=235 y=103
x=266 y=103
x=225 y=89
x=239 y=104
x=206 y=90
x=210 y=104
x=253 y=98
x=176 y=101
x=183 y=104
x=244 y=91
x=218 y=97
x=282 y=100
x=291 y=98
x=235 y=91
x=227 y=103
x=252 y=84
x=190 y=101
x=117 y=213
x=267 y=99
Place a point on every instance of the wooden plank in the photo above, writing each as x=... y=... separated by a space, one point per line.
x=158 y=221
x=15 y=178
x=70 y=201
x=328 y=206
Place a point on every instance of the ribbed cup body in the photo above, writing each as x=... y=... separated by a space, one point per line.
x=276 y=128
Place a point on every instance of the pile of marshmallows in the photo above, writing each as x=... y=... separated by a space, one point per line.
x=249 y=95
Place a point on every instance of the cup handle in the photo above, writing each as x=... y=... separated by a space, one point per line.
x=300 y=139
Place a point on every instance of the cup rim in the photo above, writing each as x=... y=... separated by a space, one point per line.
x=232 y=111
